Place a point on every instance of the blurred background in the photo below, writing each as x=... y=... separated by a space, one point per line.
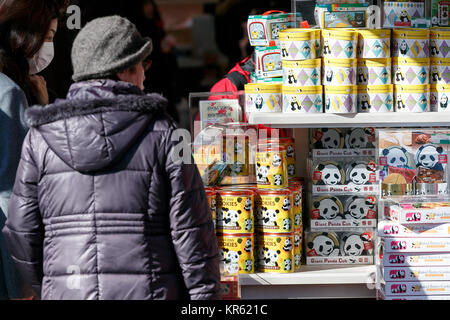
x=196 y=42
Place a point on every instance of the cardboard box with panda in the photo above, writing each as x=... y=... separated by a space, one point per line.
x=397 y=274
x=389 y=229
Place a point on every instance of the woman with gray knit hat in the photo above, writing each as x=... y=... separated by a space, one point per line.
x=100 y=210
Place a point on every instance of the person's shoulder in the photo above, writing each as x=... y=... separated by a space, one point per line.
x=163 y=122
x=7 y=84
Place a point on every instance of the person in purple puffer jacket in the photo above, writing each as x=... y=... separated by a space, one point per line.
x=100 y=210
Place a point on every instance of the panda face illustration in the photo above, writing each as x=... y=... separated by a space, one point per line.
x=297 y=239
x=287 y=264
x=277 y=180
x=396 y=157
x=248 y=204
x=290 y=152
x=270 y=217
x=291 y=170
x=287 y=245
x=357 y=138
x=328 y=208
x=297 y=200
x=330 y=173
x=358 y=208
x=248 y=245
x=276 y=162
x=329 y=75
x=286 y=204
x=403 y=47
x=287 y=224
x=231 y=217
x=444 y=102
x=404 y=16
x=327 y=103
x=353 y=245
x=248 y=224
x=271 y=257
x=359 y=174
x=262 y=172
x=275 y=32
x=248 y=265
x=323 y=246
x=231 y=256
x=259 y=102
x=427 y=156
x=331 y=139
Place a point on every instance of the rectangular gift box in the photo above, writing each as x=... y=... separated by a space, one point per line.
x=389 y=229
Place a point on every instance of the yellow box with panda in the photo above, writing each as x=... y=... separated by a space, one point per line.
x=263 y=97
x=298 y=248
x=234 y=211
x=439 y=97
x=440 y=71
x=302 y=99
x=302 y=73
x=440 y=42
x=412 y=98
x=237 y=252
x=374 y=72
x=298 y=44
x=411 y=43
x=411 y=71
x=271 y=166
x=339 y=43
x=274 y=211
x=374 y=43
x=275 y=253
x=373 y=99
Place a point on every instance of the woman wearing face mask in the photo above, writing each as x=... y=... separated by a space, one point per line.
x=27 y=28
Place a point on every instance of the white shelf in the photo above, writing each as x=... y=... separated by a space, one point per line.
x=311 y=282
x=323 y=120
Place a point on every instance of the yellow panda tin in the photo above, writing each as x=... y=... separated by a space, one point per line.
x=302 y=99
x=298 y=44
x=374 y=43
x=235 y=211
x=374 y=72
x=271 y=166
x=439 y=97
x=411 y=71
x=274 y=211
x=237 y=251
x=373 y=99
x=275 y=252
x=298 y=247
x=263 y=97
x=440 y=42
x=411 y=43
x=339 y=43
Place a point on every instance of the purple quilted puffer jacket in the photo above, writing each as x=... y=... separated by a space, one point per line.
x=101 y=211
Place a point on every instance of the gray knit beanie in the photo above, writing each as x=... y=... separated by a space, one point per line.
x=106 y=46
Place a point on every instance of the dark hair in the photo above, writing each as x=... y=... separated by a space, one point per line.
x=23 y=27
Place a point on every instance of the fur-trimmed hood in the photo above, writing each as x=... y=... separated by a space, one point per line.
x=97 y=124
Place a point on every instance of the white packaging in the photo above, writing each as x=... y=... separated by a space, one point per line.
x=434 y=213
x=439 y=97
x=337 y=72
x=339 y=43
x=440 y=71
x=417 y=245
x=373 y=99
x=374 y=72
x=411 y=43
x=341 y=99
x=302 y=73
x=416 y=259
x=416 y=274
x=417 y=288
x=302 y=99
x=374 y=43
x=390 y=229
x=412 y=98
x=409 y=71
x=440 y=43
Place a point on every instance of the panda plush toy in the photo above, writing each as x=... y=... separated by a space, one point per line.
x=324 y=244
x=329 y=174
x=360 y=173
x=328 y=208
x=427 y=156
x=397 y=157
x=328 y=139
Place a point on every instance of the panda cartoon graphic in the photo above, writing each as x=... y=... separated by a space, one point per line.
x=248 y=224
x=434 y=50
x=396 y=157
x=291 y=170
x=423 y=76
x=328 y=208
x=427 y=156
x=306 y=50
x=262 y=172
x=399 y=75
x=435 y=75
x=276 y=161
x=294 y=104
x=360 y=173
x=287 y=245
x=271 y=257
x=259 y=102
x=291 y=77
x=361 y=76
x=248 y=245
x=404 y=48
x=322 y=245
x=284 y=52
x=397 y=274
x=275 y=32
x=443 y=102
x=331 y=139
x=329 y=76
x=404 y=17
x=352 y=245
x=248 y=265
x=287 y=224
x=327 y=103
x=248 y=204
x=365 y=104
x=231 y=217
x=400 y=103
x=330 y=174
x=358 y=208
x=287 y=264
x=278 y=180
x=358 y=138
x=270 y=217
x=326 y=47
x=286 y=204
x=231 y=257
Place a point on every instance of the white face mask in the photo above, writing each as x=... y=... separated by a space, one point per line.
x=42 y=58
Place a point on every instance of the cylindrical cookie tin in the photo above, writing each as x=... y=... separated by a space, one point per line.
x=341 y=99
x=439 y=98
x=271 y=167
x=297 y=203
x=263 y=97
x=337 y=72
x=274 y=211
x=275 y=252
x=303 y=99
x=373 y=99
x=237 y=252
x=326 y=208
x=411 y=43
x=374 y=43
x=289 y=143
x=339 y=43
x=318 y=42
x=329 y=173
x=298 y=44
x=412 y=98
x=235 y=213
x=302 y=73
x=411 y=71
x=440 y=42
x=322 y=244
x=373 y=72
x=298 y=248
x=440 y=71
